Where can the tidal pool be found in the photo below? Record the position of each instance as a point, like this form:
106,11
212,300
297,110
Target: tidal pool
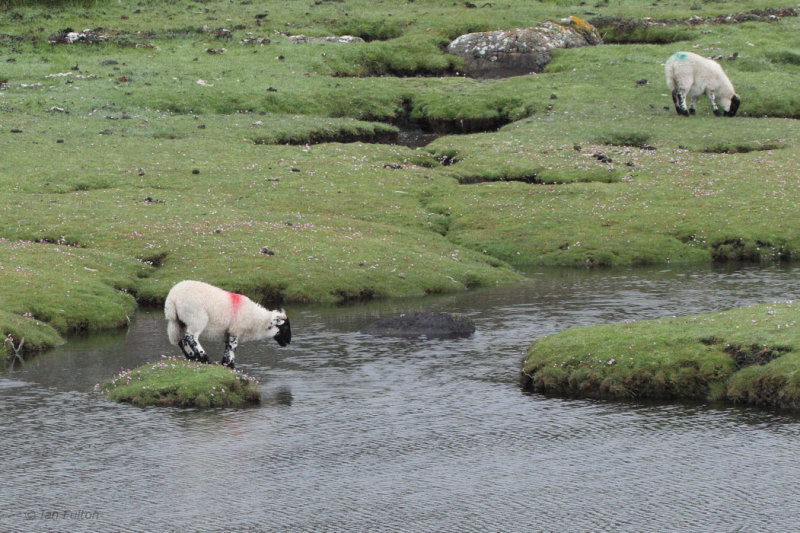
359,433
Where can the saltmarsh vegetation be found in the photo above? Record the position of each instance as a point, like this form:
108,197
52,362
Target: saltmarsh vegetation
748,355
180,383
194,139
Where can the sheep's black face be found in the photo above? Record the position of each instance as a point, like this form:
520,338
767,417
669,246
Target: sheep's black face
734,106
284,335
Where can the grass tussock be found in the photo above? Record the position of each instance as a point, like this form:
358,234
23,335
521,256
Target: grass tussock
722,147
298,130
747,355
373,29
637,139
174,382
619,30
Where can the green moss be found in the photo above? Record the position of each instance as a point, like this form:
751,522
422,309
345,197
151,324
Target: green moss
181,383
746,355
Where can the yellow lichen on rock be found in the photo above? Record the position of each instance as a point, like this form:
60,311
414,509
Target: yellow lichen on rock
588,31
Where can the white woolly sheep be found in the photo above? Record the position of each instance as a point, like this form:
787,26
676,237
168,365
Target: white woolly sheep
690,75
193,308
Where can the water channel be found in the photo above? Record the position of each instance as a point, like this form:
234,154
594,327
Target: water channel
358,433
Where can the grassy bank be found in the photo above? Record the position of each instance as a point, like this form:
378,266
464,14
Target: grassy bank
748,355
196,140
174,382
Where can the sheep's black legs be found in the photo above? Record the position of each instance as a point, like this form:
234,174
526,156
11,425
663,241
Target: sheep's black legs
713,99
191,349
231,342
680,103
186,352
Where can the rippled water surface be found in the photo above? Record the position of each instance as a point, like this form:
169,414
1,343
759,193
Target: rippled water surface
359,433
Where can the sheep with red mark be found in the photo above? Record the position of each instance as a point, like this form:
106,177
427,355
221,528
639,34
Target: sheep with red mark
689,75
194,308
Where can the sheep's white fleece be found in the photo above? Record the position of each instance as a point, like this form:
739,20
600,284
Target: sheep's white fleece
195,307
690,75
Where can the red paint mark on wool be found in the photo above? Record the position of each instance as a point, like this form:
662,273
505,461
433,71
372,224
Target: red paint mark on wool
236,301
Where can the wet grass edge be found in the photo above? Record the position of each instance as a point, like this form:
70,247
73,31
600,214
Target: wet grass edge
745,356
174,382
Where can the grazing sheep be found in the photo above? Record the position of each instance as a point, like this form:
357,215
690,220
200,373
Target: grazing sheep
690,75
194,308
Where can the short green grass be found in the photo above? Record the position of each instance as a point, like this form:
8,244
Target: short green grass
173,382
182,147
748,355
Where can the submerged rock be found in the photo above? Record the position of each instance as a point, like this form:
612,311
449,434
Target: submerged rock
417,324
496,54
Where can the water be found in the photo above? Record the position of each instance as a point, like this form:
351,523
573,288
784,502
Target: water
359,433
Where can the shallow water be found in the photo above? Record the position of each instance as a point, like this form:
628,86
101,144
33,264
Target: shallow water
362,433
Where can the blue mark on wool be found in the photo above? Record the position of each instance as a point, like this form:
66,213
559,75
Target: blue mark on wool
680,55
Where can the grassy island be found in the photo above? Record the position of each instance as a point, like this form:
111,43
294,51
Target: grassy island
178,382
747,355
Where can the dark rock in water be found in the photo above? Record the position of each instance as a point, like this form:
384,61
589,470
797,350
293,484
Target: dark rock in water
417,324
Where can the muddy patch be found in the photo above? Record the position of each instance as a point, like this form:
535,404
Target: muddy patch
533,178
419,131
412,137
621,30
632,139
363,295
319,137
755,354
740,148
543,177
742,250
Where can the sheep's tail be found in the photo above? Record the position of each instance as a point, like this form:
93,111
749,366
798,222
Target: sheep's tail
175,328
669,70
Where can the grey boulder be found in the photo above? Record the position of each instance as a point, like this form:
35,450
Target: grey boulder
503,53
